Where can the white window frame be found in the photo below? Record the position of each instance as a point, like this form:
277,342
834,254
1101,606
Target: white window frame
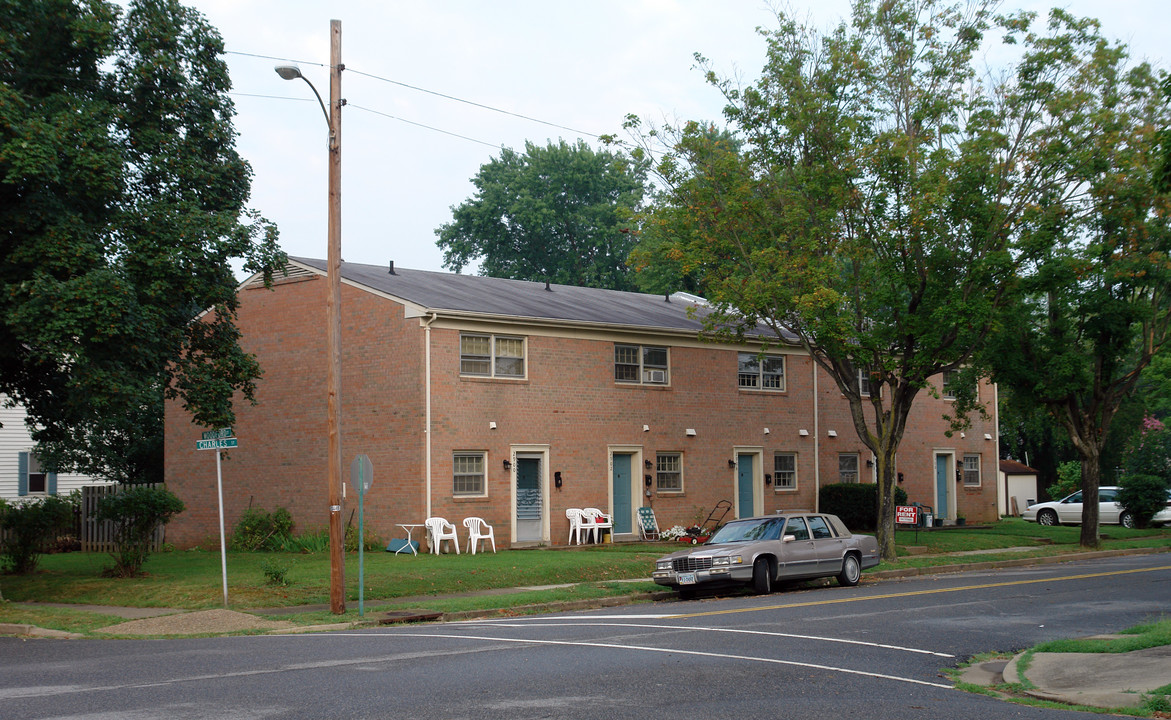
493,358
843,472
777,485
465,473
972,470
28,467
648,373
664,470
864,384
751,374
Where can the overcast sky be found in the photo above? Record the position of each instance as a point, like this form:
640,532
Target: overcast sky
582,65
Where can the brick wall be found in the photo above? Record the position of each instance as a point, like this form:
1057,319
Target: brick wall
569,405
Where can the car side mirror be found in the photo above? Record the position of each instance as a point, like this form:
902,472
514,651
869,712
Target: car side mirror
789,538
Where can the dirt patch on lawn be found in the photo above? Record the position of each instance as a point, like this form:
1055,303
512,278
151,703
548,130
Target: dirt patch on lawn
201,622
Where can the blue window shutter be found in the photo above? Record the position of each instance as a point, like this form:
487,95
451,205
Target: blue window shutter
51,483
22,474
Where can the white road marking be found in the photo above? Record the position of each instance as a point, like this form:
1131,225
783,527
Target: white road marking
644,648
727,630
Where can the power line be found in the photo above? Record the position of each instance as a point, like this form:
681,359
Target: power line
473,104
428,127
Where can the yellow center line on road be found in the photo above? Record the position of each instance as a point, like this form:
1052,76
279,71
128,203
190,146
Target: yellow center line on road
913,593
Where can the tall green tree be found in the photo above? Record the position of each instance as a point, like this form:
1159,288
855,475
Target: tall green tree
872,210
560,213
1095,310
122,205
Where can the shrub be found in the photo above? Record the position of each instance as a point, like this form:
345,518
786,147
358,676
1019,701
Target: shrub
136,513
855,503
1069,480
1142,496
260,530
275,572
30,528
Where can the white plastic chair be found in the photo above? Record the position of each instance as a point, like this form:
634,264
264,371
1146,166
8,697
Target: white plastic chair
596,521
478,532
576,525
438,530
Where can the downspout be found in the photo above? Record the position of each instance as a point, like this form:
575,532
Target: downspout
427,419
816,443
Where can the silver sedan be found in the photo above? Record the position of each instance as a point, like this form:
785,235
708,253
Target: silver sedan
760,551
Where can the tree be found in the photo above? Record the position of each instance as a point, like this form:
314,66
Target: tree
122,200
870,210
136,513
1094,311
559,213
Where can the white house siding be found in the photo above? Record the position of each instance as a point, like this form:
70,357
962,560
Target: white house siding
14,440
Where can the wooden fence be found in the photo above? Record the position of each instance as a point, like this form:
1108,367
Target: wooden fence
99,536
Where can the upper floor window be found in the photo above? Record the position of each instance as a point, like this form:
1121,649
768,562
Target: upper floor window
785,471
669,472
848,467
755,372
864,386
491,355
949,384
971,470
641,364
468,473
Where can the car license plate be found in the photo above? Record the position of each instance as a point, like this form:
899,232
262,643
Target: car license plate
686,578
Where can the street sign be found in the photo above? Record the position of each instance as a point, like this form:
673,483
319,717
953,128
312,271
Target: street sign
361,474
217,434
217,444
906,515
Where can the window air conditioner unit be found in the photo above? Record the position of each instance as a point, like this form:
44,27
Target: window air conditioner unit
656,376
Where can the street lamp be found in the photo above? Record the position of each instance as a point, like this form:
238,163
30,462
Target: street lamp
333,117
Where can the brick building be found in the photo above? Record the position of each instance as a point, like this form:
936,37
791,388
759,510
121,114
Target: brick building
514,400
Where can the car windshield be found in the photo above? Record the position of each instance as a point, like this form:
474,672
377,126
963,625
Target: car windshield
752,530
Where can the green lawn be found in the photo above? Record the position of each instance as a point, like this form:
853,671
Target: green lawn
191,579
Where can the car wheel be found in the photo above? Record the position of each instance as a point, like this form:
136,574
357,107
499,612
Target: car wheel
762,577
1047,517
1126,520
851,571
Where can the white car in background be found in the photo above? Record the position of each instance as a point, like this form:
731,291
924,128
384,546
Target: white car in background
1068,510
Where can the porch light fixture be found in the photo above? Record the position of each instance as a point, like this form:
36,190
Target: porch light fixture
507,464
648,480
869,463
731,463
648,464
768,479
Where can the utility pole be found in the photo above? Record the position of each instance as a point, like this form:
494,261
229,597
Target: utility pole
337,584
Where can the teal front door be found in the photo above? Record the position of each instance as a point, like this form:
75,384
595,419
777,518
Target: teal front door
529,505
623,512
942,478
744,487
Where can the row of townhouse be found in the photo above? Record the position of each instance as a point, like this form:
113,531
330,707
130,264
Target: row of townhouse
514,401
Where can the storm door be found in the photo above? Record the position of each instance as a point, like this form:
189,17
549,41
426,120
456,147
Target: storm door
529,503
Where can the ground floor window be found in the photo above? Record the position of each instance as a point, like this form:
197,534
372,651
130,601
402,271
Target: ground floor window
468,475
848,467
971,470
669,472
785,471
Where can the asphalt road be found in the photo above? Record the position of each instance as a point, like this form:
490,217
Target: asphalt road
875,651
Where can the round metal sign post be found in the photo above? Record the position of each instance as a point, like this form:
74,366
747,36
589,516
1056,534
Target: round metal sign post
361,478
